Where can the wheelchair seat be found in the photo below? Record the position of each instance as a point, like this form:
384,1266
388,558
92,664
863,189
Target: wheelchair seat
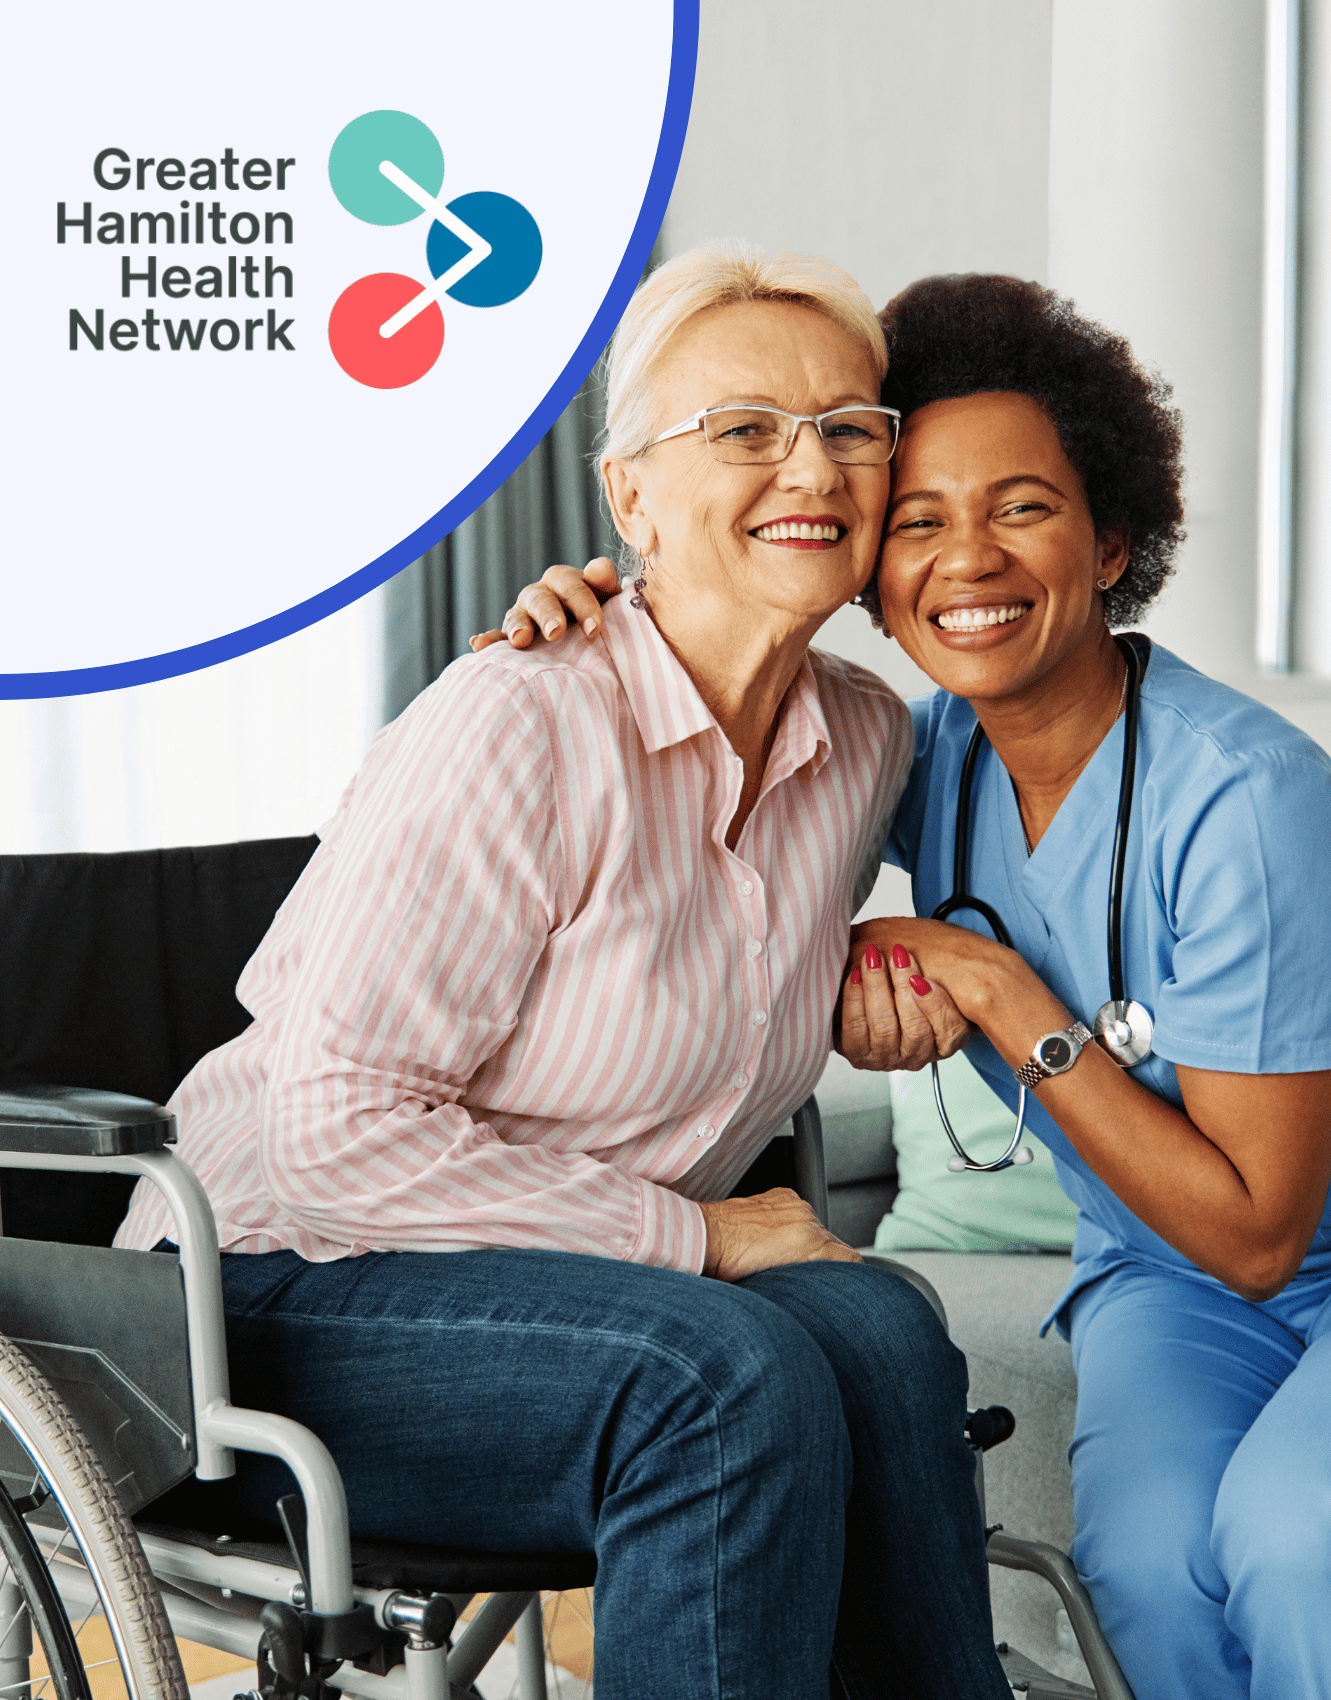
415,1566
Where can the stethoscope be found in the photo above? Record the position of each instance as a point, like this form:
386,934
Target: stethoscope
1122,1026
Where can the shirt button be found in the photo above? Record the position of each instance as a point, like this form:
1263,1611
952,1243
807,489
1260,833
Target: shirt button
759,1017
740,1080
706,1130
746,886
755,949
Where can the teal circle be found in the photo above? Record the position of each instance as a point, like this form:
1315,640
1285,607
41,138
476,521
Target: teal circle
353,166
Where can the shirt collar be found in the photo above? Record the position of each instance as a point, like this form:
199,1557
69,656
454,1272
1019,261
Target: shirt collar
667,708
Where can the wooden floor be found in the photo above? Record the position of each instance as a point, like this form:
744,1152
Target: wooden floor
568,1630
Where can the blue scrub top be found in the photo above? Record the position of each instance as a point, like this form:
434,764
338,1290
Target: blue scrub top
1226,905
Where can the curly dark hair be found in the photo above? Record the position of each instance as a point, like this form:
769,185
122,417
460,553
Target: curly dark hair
960,335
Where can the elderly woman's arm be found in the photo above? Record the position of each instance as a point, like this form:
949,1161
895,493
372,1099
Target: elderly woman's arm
445,877
442,879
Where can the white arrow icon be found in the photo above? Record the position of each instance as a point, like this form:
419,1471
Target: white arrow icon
478,248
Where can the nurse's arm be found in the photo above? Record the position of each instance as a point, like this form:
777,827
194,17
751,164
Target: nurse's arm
1237,1180
545,607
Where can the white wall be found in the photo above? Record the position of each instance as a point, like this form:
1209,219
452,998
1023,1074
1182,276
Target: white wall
1312,490
895,137
258,747
1155,225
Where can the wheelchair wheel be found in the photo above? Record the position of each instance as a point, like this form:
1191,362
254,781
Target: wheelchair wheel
569,1644
69,1526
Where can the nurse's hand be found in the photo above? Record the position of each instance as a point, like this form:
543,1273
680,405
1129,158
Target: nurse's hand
544,607
891,1016
745,1235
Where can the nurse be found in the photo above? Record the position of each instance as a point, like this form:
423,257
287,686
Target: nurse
1035,506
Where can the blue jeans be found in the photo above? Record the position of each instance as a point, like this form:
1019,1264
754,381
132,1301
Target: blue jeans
772,1474
1202,1484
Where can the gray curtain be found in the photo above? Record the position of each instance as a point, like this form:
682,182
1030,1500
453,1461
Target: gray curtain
549,510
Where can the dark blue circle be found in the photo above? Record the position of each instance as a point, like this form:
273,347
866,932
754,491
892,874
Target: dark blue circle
511,232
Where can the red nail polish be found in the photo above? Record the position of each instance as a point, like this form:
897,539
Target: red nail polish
872,958
854,976
920,986
900,957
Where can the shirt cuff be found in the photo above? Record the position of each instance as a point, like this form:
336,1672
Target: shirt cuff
673,1231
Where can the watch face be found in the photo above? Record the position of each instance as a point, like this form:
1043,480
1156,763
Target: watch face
1055,1052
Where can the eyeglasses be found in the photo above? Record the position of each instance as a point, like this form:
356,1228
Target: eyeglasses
759,436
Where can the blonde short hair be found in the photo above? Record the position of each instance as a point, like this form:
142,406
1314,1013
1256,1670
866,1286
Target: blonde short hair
718,274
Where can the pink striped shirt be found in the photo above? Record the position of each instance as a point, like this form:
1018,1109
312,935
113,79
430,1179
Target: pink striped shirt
523,994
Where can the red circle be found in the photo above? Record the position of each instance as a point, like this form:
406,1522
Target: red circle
384,362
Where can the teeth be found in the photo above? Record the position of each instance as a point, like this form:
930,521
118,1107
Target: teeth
971,619
801,530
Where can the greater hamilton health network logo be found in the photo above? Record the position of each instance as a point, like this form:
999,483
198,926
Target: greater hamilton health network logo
483,249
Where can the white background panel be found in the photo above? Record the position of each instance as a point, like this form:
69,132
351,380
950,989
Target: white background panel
160,500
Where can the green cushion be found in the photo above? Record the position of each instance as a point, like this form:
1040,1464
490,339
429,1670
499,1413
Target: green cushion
937,1210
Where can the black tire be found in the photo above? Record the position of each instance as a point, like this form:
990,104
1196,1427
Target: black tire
71,1525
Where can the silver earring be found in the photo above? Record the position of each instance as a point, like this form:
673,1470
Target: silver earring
1102,584
640,583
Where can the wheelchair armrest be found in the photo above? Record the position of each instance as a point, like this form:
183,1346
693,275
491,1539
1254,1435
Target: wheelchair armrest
79,1121
810,1167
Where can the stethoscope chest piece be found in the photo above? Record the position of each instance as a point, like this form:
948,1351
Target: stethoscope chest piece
1123,1027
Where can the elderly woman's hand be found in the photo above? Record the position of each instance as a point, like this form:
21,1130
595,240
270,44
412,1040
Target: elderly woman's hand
891,1016
544,607
745,1235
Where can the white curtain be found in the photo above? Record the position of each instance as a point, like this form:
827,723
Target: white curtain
257,747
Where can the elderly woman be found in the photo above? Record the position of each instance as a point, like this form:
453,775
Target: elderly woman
1035,506
568,952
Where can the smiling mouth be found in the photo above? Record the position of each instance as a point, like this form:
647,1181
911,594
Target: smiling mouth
978,619
800,531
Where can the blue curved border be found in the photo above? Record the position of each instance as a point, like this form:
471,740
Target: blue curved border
83,681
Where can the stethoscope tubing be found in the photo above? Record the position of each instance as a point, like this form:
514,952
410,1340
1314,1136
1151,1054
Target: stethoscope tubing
962,899
1123,822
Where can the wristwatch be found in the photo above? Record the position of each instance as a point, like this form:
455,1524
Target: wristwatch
1054,1053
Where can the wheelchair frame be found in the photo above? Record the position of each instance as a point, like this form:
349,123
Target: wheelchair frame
218,1599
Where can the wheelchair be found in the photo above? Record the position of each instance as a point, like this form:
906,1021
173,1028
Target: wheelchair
116,975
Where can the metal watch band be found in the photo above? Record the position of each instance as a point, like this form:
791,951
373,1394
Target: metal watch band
1031,1073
